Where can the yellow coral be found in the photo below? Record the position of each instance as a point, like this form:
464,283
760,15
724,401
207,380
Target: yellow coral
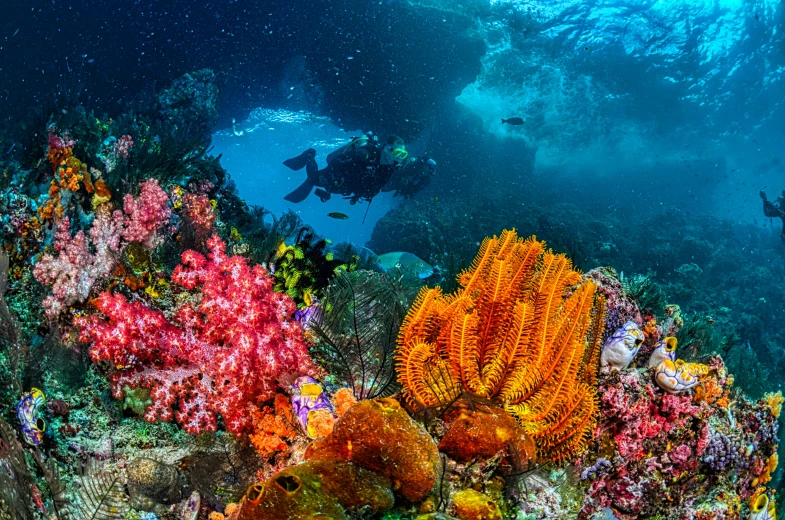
523,330
771,466
472,505
775,400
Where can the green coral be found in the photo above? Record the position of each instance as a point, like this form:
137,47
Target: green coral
137,400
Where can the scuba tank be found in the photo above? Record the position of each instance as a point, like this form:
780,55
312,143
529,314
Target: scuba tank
367,141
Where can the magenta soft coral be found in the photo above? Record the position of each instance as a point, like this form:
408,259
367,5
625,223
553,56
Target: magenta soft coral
223,356
146,214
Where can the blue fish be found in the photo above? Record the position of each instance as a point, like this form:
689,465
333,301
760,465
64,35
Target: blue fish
411,266
27,411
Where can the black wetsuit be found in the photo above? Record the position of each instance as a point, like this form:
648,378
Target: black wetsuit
775,209
353,171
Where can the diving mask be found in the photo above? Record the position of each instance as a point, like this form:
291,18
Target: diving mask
399,154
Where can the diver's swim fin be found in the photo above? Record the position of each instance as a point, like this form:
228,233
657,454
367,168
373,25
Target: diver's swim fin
300,162
302,192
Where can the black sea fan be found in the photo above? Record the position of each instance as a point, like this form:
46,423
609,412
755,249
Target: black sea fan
16,484
264,236
99,495
358,328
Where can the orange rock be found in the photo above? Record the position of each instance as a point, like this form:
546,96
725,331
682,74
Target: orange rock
380,436
472,505
316,488
482,432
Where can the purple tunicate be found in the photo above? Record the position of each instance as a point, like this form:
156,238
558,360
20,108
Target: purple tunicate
308,397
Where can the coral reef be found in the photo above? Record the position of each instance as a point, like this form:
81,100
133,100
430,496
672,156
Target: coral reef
222,355
656,245
511,332
173,330
673,456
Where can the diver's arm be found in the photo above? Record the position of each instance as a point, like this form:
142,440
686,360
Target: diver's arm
770,210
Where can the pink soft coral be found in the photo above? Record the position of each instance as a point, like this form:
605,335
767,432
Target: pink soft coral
75,269
146,214
222,356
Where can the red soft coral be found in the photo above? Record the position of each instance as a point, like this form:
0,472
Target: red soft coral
222,356
200,215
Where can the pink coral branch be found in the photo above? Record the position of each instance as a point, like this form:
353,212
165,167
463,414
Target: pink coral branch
75,269
146,214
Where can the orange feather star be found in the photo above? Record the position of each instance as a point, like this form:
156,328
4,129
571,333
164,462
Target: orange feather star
523,330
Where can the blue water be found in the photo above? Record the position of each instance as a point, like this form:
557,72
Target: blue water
254,150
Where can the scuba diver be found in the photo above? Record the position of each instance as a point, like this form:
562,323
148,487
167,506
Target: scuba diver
775,209
413,175
357,171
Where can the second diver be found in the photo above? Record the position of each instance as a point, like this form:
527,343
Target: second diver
357,171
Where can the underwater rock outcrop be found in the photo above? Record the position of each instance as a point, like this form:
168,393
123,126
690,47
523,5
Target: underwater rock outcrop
524,330
151,482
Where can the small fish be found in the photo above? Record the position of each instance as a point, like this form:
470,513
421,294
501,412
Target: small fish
27,412
338,216
515,121
128,361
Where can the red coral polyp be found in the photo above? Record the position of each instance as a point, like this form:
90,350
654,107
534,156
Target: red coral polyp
223,356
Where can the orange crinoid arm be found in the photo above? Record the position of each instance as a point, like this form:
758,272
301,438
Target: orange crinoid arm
523,330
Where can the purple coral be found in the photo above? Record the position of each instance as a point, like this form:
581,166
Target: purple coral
598,469
723,453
